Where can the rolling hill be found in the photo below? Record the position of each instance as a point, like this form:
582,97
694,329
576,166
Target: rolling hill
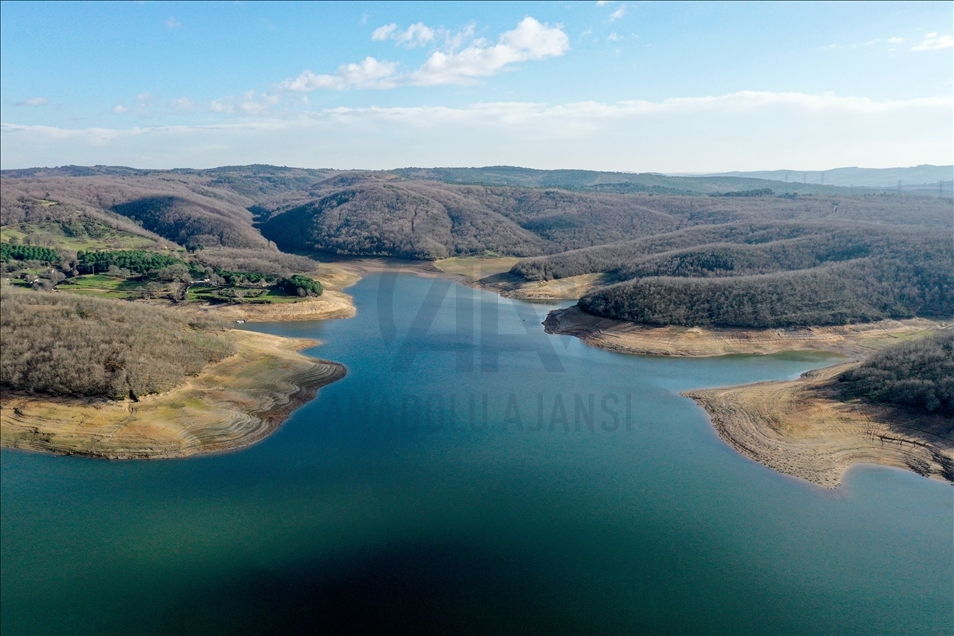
720,250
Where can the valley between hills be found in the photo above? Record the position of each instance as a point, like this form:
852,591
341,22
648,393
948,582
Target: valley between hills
688,266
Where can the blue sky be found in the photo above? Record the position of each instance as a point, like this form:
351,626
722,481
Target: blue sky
602,85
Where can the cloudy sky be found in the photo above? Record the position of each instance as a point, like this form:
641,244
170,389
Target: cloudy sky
601,85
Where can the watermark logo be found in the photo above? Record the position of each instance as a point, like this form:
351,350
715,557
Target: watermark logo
480,412
473,349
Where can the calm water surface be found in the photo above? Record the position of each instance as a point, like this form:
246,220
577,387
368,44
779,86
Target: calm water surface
567,490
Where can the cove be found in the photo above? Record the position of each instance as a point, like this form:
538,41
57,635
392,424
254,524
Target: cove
472,474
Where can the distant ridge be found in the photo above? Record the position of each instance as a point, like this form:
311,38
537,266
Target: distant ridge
617,182
917,176
923,179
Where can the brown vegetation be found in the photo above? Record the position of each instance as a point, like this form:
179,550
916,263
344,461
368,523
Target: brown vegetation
229,405
60,344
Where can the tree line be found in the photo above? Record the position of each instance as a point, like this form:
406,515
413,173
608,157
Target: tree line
10,252
139,261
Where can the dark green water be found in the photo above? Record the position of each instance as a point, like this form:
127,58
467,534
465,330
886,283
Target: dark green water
390,503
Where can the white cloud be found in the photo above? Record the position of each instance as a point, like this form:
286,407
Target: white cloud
933,42
251,104
119,109
616,15
416,35
34,101
383,32
172,23
183,104
530,40
145,98
369,73
455,40
740,131
248,103
613,37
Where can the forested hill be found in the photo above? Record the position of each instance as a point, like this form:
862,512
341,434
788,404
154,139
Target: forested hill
698,242
767,275
434,220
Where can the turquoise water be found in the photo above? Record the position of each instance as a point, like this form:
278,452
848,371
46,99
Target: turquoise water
427,491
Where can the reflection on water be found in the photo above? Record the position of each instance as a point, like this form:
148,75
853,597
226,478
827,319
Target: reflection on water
457,480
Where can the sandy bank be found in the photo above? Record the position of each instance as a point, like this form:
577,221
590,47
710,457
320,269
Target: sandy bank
854,341
232,404
331,304
799,428
493,274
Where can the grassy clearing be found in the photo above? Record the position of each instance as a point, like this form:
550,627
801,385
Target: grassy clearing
53,233
222,295
102,286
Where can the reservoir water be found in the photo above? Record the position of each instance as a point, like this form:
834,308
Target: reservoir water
471,474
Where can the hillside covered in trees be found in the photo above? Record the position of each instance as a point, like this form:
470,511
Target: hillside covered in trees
726,250
62,344
829,275
918,374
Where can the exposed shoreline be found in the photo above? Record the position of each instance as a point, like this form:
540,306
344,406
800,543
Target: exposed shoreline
800,428
230,405
856,341
331,304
